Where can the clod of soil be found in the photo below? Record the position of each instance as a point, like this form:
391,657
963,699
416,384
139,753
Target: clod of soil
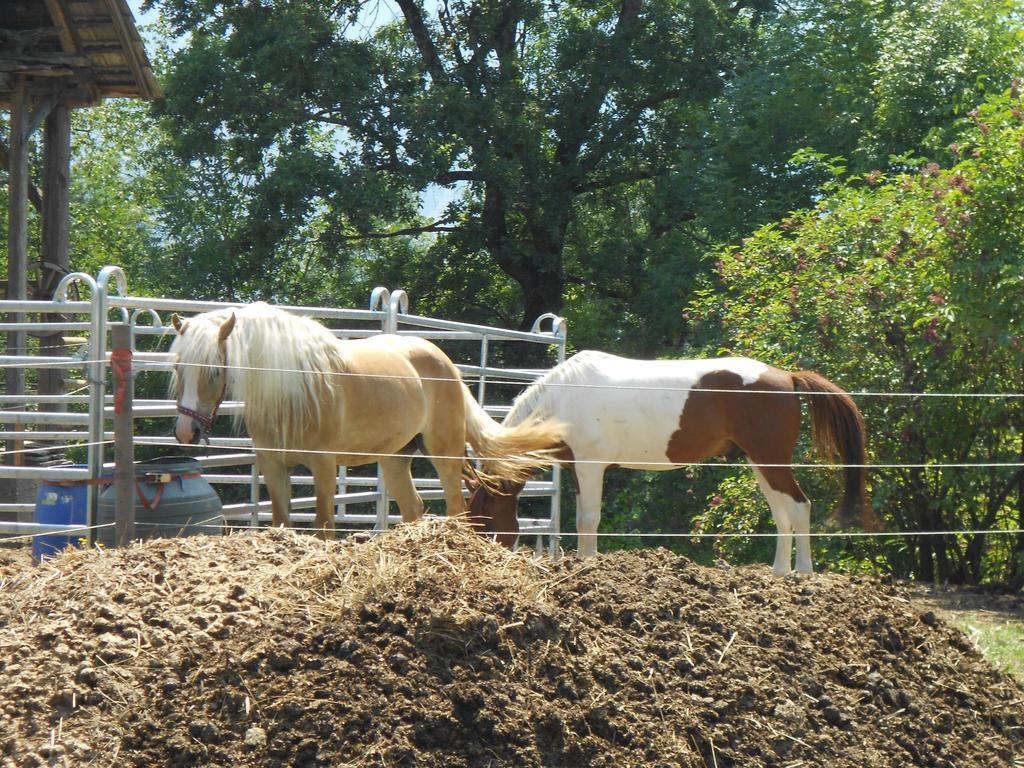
431,646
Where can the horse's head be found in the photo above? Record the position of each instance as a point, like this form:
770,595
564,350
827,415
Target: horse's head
493,510
200,376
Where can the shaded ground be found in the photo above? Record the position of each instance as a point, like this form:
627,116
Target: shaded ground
994,620
433,647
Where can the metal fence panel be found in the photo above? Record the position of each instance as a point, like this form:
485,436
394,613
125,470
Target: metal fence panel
110,304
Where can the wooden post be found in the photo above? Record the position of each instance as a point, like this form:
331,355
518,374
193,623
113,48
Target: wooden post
56,169
124,443
17,258
17,226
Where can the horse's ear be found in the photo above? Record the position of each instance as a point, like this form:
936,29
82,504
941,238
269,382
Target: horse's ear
227,328
178,323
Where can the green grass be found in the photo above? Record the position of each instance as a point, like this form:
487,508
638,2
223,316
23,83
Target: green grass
1000,640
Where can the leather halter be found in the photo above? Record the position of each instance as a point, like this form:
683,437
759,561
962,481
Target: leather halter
206,420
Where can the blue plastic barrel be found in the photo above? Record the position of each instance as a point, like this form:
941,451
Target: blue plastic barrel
58,504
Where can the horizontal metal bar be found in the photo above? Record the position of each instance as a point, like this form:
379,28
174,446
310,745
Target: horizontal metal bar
368,482
35,327
40,361
43,417
177,305
483,330
50,399
239,442
309,517
227,460
45,473
19,508
533,530
444,335
517,374
232,511
46,307
169,408
45,436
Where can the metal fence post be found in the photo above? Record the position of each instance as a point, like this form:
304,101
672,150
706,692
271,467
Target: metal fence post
558,330
380,299
97,384
123,345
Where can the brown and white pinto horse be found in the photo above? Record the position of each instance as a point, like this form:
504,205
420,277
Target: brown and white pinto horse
662,414
314,400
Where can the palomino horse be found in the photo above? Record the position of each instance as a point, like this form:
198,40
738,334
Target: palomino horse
314,400
661,414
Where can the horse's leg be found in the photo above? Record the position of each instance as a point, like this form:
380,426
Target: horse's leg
325,481
450,473
397,472
275,473
445,445
792,513
590,480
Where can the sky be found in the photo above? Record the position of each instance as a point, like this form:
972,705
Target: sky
140,17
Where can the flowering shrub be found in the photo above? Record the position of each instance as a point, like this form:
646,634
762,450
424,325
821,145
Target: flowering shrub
910,284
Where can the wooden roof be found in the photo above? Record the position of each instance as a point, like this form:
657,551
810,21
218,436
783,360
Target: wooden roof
86,49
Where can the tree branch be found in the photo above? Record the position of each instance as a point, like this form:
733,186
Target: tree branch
323,116
421,35
451,177
432,227
627,118
640,174
589,103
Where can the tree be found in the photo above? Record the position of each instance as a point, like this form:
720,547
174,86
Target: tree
532,105
864,82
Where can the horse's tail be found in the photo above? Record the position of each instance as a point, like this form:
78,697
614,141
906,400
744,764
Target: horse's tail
837,429
511,453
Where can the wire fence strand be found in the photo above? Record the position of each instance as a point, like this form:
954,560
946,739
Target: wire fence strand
475,378
230,528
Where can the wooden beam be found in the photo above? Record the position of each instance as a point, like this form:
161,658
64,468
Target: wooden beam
71,42
93,20
59,18
35,70
134,52
20,39
52,58
124,34
42,111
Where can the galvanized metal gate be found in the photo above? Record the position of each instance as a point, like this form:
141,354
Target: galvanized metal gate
82,421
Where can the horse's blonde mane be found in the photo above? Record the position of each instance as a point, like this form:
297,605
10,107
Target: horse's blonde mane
279,364
535,401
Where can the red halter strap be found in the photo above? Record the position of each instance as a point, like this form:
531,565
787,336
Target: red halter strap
206,421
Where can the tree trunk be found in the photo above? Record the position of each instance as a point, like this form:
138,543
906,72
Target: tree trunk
536,266
543,293
975,550
1015,577
925,560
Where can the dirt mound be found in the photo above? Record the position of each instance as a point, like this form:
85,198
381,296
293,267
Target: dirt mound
433,647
